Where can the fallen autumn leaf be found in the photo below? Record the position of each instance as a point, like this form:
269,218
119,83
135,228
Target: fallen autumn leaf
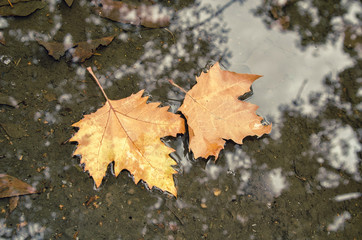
11,187
80,51
127,132
214,113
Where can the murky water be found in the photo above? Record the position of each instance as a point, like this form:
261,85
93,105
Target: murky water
303,181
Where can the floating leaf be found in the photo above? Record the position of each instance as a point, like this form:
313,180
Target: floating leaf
214,113
128,132
55,49
84,50
80,51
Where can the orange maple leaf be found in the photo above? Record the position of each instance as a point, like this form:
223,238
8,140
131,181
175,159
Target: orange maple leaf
214,113
128,132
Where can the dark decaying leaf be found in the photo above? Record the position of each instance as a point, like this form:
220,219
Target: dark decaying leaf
80,51
55,49
150,16
14,130
69,2
20,8
11,187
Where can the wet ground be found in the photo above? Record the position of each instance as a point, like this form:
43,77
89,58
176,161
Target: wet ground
303,181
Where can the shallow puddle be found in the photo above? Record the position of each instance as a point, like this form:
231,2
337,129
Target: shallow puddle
302,181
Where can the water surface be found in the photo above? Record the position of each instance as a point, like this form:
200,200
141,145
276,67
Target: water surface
302,181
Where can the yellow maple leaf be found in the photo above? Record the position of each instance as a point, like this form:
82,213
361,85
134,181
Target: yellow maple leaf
214,113
128,132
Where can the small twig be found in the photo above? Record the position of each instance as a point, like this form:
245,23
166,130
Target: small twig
11,5
178,218
17,63
299,94
173,36
303,179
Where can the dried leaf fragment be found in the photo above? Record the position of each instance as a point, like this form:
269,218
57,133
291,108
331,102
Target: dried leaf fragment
2,38
84,50
214,113
21,8
128,132
55,49
80,51
151,16
11,187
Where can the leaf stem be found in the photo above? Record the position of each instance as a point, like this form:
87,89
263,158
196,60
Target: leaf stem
174,84
95,78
